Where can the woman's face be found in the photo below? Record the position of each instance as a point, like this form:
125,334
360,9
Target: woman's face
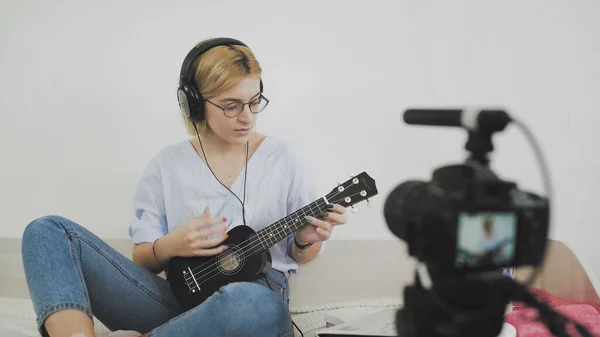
233,130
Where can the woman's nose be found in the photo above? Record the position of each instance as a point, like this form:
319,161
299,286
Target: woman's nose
246,114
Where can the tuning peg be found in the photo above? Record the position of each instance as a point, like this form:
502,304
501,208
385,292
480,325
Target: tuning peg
354,209
369,203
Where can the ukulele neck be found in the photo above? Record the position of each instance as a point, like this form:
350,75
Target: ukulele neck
271,235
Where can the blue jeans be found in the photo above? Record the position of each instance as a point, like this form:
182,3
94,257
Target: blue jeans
68,267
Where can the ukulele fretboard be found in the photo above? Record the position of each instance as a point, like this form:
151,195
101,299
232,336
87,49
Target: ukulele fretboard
281,229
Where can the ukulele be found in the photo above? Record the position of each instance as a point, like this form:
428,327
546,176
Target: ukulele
194,279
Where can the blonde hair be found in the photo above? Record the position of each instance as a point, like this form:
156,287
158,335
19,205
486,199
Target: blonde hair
218,70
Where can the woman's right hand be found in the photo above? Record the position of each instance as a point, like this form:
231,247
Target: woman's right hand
190,238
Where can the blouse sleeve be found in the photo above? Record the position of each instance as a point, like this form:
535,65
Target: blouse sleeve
302,189
150,222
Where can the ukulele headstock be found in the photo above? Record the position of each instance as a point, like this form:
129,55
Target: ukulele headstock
354,190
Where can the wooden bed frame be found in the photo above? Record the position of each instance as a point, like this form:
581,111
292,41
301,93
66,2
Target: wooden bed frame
565,274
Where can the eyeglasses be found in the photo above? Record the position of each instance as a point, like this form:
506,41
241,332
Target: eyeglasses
234,109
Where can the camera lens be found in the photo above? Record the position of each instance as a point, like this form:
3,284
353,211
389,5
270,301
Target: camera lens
400,206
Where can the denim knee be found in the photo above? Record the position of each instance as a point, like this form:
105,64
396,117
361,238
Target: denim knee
257,308
38,228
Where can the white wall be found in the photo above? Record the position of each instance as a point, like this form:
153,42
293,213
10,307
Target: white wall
87,95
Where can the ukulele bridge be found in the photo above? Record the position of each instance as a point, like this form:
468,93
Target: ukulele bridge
188,276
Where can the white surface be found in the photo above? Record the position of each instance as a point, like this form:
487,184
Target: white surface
508,330
88,95
376,321
339,316
380,323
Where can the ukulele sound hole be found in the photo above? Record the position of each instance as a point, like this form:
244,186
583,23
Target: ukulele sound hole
230,261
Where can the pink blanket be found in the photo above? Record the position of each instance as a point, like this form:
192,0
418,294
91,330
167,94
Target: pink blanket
523,317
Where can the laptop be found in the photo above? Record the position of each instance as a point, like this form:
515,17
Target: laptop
378,324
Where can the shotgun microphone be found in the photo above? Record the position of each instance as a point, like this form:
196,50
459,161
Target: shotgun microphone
482,120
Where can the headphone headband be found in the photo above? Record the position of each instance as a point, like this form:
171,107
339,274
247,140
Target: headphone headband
186,68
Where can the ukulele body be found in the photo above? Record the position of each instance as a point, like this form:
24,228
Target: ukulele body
194,279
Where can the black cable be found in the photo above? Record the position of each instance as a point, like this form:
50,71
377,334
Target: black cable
245,175
242,202
555,321
297,328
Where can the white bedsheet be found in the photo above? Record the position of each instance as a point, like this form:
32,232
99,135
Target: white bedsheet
17,317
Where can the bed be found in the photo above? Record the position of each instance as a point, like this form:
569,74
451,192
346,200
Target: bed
352,278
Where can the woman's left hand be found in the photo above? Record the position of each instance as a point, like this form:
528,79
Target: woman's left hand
320,230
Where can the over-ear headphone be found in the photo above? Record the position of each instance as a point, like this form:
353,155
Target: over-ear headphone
190,100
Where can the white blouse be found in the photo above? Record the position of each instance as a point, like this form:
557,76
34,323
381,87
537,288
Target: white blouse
177,185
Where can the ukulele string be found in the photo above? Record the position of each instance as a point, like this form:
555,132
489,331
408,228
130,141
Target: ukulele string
298,211
257,237
197,276
247,243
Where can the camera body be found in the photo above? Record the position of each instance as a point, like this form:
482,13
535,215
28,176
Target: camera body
468,219
464,226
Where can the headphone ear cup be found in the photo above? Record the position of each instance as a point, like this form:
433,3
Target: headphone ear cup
184,104
191,103
261,86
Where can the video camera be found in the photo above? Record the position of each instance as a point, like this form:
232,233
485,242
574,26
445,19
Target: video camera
463,226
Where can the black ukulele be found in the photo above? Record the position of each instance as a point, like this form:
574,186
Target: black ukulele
194,279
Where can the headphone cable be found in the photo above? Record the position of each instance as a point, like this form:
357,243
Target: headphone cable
245,175
243,202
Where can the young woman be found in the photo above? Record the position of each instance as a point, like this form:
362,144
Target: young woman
191,193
